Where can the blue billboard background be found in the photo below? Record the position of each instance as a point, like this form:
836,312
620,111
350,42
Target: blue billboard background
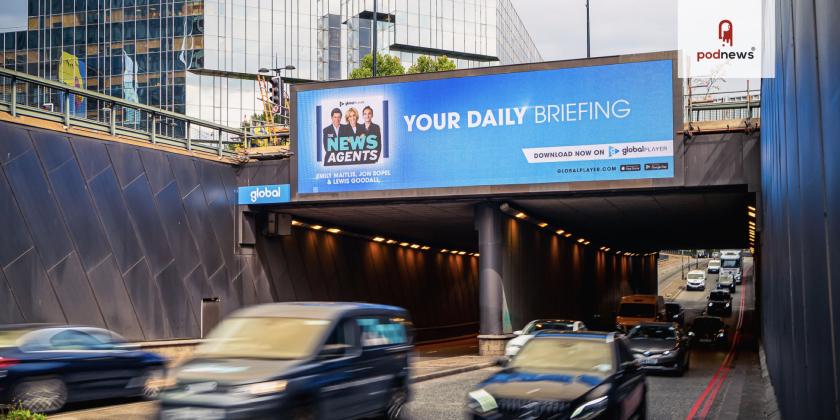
630,135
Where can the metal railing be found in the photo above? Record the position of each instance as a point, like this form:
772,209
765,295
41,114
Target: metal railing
22,94
718,106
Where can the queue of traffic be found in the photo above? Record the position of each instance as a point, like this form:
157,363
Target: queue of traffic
351,360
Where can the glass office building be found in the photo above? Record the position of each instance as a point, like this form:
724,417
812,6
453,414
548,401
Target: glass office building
199,57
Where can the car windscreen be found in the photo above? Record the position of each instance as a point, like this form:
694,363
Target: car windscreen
719,296
637,310
9,338
650,331
707,324
549,325
264,338
730,263
695,276
714,263
565,354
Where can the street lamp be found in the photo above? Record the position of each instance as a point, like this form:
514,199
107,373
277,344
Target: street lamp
587,30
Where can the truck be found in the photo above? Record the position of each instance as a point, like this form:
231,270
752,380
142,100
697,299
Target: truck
730,264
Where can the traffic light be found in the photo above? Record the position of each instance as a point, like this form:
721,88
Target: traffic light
276,92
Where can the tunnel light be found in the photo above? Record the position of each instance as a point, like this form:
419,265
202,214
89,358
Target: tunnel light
581,240
425,248
751,214
567,235
462,252
559,231
443,251
317,227
476,254
378,239
404,244
617,252
751,223
542,224
606,250
521,215
296,223
750,208
333,230
453,251
390,242
415,246
586,243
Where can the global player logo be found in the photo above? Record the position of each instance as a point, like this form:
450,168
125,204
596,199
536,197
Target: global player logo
725,32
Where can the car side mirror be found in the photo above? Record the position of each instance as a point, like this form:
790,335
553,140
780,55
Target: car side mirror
332,351
517,332
630,366
502,361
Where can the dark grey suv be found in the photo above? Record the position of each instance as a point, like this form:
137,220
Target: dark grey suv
297,361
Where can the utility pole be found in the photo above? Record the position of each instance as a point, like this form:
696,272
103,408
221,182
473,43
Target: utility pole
588,54
374,30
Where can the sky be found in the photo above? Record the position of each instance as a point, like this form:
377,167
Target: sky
558,28
12,15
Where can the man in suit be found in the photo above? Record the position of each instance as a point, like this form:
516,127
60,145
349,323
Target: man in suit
369,128
333,130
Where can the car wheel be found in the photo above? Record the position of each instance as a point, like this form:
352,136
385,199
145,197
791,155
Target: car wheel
41,396
396,404
152,386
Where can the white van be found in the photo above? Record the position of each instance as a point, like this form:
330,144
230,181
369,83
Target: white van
714,266
695,280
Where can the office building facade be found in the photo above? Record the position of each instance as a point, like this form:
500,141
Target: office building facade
199,57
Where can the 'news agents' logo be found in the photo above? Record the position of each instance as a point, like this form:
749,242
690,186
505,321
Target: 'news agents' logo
725,32
614,151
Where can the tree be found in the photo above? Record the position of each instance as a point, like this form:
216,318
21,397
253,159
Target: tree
386,65
426,64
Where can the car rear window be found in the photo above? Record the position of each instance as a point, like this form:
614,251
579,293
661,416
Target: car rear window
718,296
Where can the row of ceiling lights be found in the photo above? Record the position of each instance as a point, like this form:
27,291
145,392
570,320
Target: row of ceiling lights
382,239
562,232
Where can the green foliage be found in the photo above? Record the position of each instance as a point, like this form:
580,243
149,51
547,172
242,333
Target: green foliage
386,65
426,64
21,414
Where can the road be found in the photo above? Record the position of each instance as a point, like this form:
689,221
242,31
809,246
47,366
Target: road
729,390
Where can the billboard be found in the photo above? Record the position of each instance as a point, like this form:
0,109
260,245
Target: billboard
596,123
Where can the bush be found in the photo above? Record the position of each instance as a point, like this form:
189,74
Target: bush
21,414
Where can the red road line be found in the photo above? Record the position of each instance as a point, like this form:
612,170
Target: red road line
720,375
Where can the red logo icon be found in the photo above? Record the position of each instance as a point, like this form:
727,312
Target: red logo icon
725,32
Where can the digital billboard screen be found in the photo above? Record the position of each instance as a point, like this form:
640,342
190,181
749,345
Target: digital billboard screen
595,123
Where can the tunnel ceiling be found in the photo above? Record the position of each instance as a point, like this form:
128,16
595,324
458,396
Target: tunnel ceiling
633,221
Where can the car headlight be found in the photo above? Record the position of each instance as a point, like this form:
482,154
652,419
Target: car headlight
720,335
710,304
727,304
481,401
261,388
591,408
666,352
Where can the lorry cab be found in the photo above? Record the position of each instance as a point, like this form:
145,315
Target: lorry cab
636,309
730,264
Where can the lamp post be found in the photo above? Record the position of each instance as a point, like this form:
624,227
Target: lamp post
588,55
374,30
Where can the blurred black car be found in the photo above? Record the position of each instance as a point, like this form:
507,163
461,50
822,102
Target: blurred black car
674,313
564,375
720,303
710,330
660,347
42,367
299,361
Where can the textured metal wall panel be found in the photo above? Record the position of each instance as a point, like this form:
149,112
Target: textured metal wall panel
53,148
208,246
74,292
146,297
35,198
92,155
115,219
16,239
185,173
72,195
117,307
126,162
180,311
156,167
32,289
141,207
15,142
9,309
198,288
177,227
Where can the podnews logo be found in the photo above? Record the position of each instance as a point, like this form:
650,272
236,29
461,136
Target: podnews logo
725,34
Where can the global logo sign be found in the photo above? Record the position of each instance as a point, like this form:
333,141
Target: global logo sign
264,194
614,151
